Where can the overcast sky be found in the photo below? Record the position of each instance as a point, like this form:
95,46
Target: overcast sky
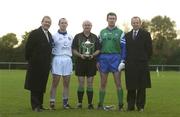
18,16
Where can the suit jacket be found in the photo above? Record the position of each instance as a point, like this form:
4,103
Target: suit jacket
38,55
140,48
139,52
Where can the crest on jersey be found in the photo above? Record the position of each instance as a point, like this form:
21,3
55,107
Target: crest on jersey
69,38
116,34
105,34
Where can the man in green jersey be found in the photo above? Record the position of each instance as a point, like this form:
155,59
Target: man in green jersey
112,58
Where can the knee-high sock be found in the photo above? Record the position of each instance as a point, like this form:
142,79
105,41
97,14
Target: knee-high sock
80,94
89,93
120,96
101,97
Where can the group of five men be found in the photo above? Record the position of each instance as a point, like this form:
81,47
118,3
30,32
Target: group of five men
111,52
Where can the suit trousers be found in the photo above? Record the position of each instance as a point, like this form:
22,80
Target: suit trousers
36,99
138,97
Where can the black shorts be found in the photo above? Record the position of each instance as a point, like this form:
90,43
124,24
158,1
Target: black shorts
85,68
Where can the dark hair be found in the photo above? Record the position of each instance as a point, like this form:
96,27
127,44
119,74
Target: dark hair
61,19
45,17
112,14
136,17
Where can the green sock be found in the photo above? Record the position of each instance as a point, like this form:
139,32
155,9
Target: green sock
89,89
101,97
120,96
80,93
81,89
89,93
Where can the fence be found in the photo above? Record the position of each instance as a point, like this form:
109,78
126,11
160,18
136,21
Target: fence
22,65
164,67
13,65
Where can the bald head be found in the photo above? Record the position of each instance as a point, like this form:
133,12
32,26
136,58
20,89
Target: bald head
86,22
87,25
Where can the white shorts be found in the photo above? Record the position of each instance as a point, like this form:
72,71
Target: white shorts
62,65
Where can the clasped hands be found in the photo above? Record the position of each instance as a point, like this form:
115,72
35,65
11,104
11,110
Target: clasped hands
86,56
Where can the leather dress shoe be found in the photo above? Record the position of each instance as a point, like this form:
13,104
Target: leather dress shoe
37,109
141,110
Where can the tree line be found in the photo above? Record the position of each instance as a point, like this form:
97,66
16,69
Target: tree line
166,46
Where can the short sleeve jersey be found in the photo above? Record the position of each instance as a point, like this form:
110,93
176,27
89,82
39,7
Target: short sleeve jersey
62,44
79,41
110,40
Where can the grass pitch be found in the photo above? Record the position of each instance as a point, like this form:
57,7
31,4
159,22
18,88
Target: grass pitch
163,99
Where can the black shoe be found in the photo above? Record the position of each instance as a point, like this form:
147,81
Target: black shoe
90,106
79,105
67,106
52,105
120,107
141,110
130,109
100,107
37,109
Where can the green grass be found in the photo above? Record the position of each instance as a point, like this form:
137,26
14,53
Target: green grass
163,99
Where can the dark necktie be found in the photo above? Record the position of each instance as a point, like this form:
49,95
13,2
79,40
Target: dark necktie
134,35
46,33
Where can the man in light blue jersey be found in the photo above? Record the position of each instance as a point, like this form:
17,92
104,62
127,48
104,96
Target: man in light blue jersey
112,58
61,63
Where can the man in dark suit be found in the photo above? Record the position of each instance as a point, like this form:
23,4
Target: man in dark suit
38,54
139,51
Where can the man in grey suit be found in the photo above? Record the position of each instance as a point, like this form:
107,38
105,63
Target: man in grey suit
38,55
139,51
